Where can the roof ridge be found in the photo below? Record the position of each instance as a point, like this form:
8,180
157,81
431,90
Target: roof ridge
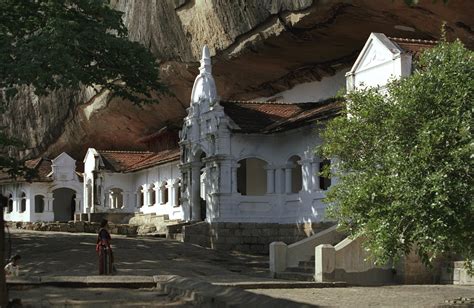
125,152
275,103
409,40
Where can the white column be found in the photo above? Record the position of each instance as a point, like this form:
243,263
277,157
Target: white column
78,203
195,190
306,171
270,180
48,203
315,174
170,192
234,177
279,180
288,179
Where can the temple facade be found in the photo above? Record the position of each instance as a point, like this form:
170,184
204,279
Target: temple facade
53,194
231,161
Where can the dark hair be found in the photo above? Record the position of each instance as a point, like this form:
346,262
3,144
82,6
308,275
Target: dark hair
15,258
103,223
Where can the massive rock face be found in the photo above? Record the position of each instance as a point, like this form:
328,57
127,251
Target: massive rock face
259,48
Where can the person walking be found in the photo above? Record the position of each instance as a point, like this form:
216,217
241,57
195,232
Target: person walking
104,250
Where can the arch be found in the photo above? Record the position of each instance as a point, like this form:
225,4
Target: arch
164,193
10,203
252,177
116,198
23,202
39,203
64,203
177,194
296,174
140,197
151,195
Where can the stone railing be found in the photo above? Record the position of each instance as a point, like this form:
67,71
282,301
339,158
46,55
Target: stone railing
349,262
283,256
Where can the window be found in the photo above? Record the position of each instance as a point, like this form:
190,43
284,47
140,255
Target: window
296,174
23,203
151,195
39,204
164,193
177,194
116,198
140,197
324,182
252,177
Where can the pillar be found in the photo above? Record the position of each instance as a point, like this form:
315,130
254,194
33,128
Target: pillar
315,174
306,169
279,181
324,263
170,185
278,252
195,190
288,180
234,177
270,180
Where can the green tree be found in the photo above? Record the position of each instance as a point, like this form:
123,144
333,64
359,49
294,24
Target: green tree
50,45
56,44
405,160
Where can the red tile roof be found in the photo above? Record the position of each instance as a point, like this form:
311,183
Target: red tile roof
42,168
266,117
413,46
129,161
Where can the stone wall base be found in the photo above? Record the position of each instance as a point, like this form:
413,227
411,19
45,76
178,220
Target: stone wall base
116,218
248,237
73,227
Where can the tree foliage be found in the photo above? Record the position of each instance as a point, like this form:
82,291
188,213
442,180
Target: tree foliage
54,44
405,160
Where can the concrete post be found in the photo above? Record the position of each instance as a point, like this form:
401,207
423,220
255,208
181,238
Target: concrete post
278,257
270,180
195,192
288,187
324,263
315,174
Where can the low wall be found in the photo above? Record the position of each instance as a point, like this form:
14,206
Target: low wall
73,227
456,273
348,261
248,237
116,218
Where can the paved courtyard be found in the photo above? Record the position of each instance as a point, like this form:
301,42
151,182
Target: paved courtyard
73,254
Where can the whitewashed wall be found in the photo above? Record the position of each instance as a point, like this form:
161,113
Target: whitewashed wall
131,184
312,91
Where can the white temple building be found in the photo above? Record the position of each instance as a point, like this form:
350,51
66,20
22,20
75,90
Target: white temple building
250,163
53,194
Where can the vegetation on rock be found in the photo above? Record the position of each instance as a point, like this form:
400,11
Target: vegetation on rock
404,160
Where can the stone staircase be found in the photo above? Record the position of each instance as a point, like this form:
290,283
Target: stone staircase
153,225
303,272
175,231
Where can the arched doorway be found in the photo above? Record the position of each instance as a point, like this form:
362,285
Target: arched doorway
64,204
199,186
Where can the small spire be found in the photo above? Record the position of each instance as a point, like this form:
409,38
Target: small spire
206,66
205,53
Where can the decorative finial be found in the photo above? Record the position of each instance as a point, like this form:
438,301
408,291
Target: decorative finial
206,66
204,86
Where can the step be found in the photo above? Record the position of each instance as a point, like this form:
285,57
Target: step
301,269
287,275
306,264
175,236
